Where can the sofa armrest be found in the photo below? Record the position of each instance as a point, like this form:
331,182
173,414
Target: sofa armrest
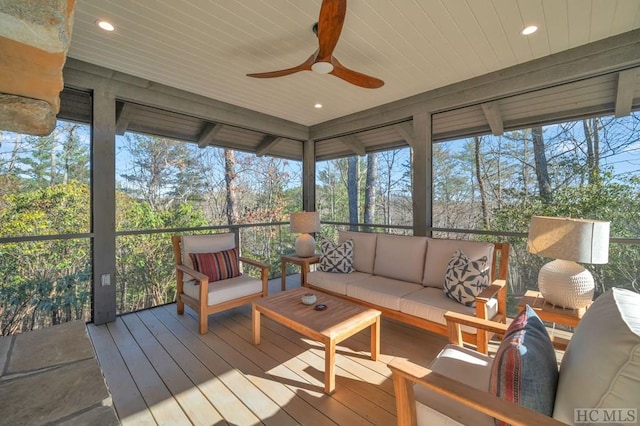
455,320
406,373
497,290
492,290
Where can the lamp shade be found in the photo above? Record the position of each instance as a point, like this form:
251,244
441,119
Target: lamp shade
579,240
305,222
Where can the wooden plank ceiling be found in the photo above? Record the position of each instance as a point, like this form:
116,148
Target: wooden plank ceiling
206,48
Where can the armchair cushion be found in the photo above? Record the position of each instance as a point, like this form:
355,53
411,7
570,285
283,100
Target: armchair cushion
601,366
226,290
461,364
220,265
525,370
336,257
465,278
205,243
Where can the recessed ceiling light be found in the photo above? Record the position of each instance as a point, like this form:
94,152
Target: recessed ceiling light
318,105
105,25
529,30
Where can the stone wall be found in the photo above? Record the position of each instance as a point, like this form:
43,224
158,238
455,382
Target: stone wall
34,39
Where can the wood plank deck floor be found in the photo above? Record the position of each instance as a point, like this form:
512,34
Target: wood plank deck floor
159,370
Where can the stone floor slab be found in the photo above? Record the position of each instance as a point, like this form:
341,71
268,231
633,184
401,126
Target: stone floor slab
49,347
53,394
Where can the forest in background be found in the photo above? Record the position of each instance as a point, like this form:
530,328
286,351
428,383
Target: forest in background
480,183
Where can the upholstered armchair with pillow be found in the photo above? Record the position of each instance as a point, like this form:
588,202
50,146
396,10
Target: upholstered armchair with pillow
599,376
209,275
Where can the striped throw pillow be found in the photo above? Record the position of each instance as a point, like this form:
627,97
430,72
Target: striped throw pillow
218,266
525,370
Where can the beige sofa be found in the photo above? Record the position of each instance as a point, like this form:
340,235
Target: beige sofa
403,276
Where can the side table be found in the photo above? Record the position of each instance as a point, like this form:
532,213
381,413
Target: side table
302,262
550,313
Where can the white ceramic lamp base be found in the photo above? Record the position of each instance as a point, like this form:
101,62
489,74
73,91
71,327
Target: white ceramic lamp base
566,284
305,245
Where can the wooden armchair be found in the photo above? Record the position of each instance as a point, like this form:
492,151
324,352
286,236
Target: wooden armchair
406,374
195,289
599,375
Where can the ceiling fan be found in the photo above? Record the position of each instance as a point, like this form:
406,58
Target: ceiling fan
327,29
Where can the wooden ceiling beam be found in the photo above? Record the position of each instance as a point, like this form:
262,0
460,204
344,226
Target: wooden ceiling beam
265,145
352,142
624,95
123,117
208,133
494,117
406,132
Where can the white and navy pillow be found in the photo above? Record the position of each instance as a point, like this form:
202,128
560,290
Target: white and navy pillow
336,258
465,278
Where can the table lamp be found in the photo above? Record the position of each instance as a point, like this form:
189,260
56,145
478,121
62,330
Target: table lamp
305,223
563,282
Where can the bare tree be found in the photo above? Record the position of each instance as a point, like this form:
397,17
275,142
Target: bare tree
542,174
592,139
481,186
370,188
352,188
230,185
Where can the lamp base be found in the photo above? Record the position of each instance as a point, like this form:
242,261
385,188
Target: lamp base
566,284
305,245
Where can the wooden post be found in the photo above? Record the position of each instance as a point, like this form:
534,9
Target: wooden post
103,182
422,170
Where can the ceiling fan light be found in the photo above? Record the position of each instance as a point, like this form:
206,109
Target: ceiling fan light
322,67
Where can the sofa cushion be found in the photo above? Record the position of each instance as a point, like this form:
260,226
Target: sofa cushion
465,278
364,249
381,291
525,370
220,265
601,366
439,252
336,283
226,290
461,364
336,257
431,304
400,257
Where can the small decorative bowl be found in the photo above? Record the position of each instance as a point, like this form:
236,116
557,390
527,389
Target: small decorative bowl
308,298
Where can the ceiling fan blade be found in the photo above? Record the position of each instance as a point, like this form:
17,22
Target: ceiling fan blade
355,77
332,13
305,66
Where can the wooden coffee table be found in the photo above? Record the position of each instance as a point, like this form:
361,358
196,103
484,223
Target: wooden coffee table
340,320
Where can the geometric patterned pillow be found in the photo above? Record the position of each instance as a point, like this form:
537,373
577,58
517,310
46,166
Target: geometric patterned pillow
336,258
217,266
465,278
525,370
